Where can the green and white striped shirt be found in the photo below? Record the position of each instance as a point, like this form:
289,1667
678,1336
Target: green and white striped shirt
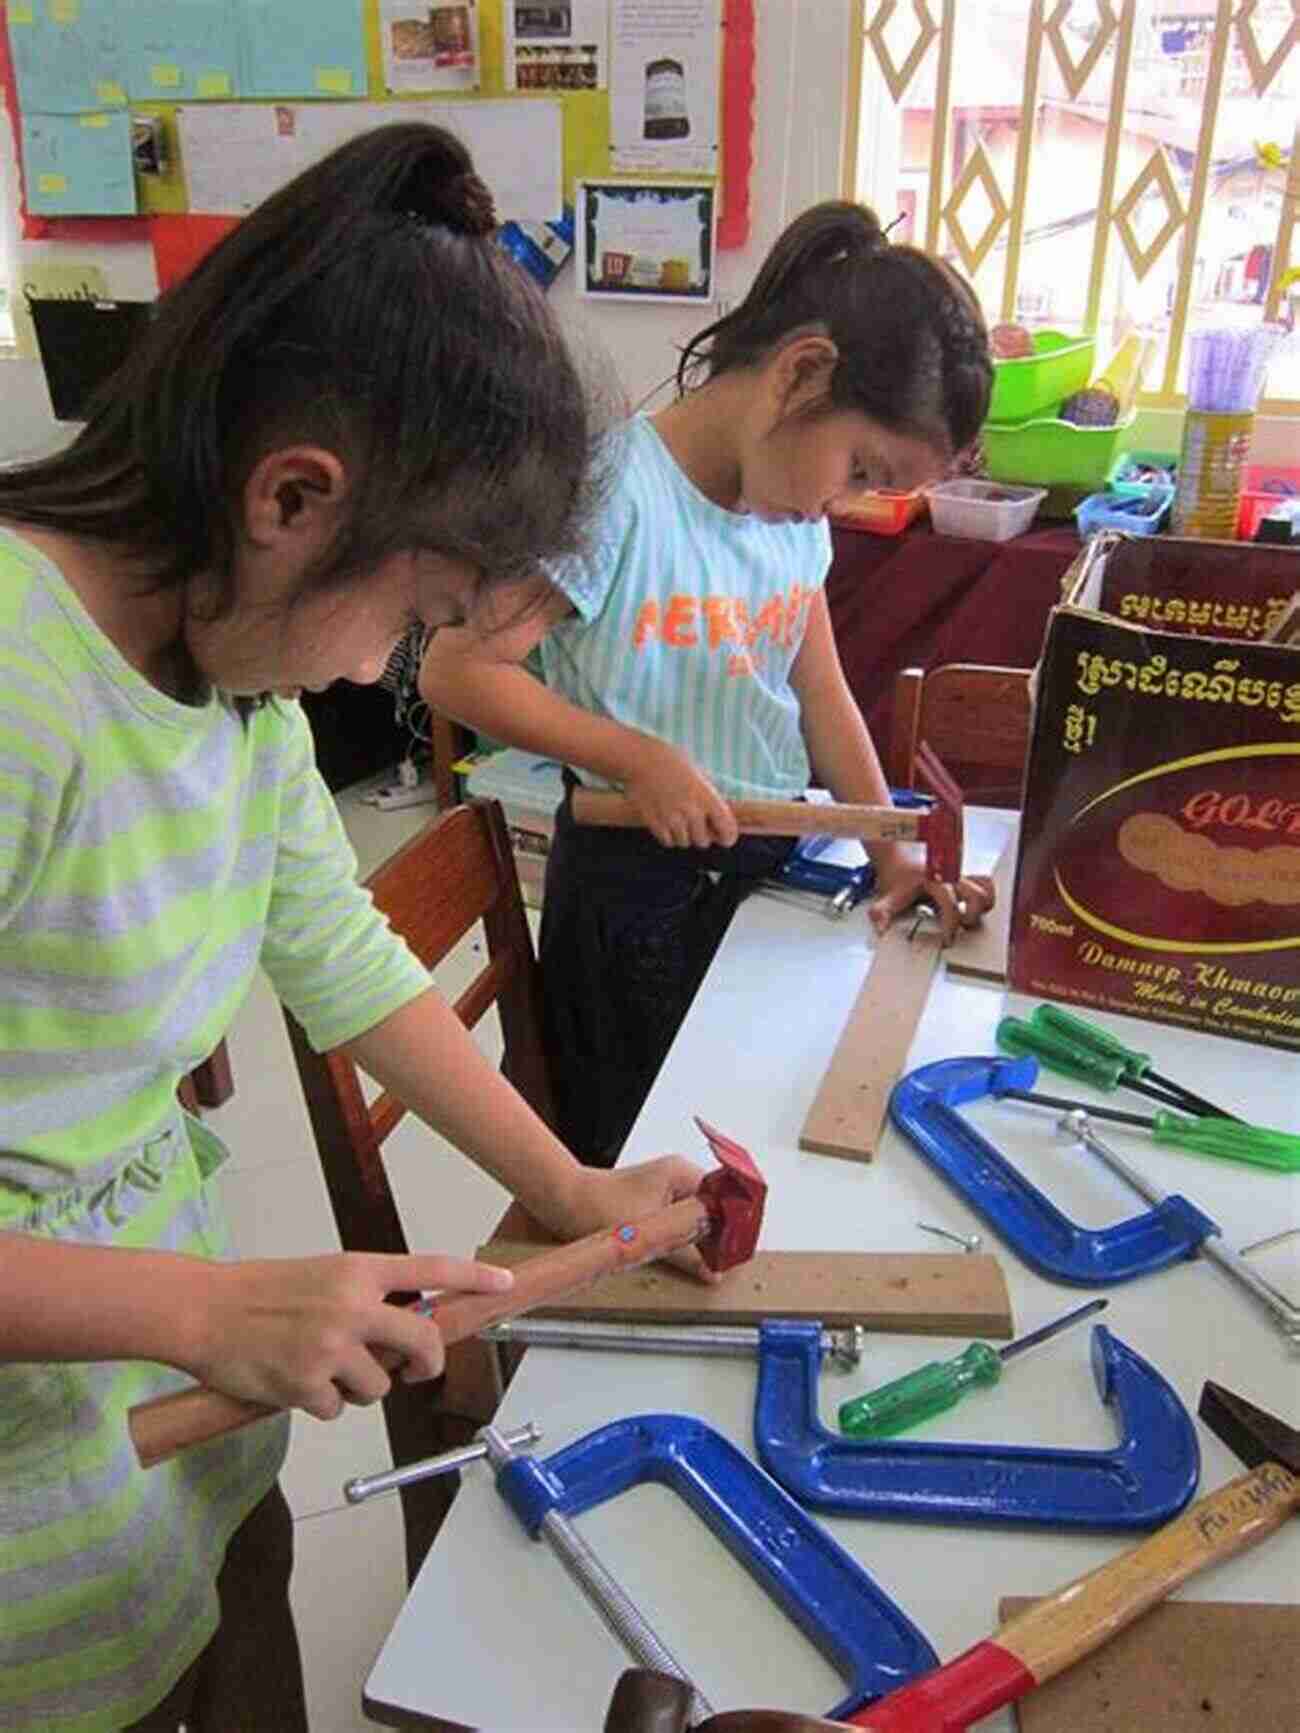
152,855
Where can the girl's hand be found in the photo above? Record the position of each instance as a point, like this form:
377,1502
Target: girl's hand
901,882
677,803
304,1332
604,1197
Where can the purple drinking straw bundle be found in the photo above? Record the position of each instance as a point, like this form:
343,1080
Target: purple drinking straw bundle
1226,368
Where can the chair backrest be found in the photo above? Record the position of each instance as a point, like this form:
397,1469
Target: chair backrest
976,717
458,870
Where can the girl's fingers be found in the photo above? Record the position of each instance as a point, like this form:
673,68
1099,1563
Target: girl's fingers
360,1379
399,1272
411,1337
325,1403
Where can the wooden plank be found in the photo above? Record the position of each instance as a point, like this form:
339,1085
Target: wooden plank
1208,1666
983,952
912,1293
848,1113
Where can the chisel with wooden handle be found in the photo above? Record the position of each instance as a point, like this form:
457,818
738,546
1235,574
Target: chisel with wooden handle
723,1220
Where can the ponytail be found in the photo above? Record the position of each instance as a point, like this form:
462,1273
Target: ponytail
912,347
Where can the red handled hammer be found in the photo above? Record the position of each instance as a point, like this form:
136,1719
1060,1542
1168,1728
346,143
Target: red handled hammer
723,1219
1054,1633
938,826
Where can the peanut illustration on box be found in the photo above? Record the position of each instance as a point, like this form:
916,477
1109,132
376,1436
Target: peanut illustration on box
1185,861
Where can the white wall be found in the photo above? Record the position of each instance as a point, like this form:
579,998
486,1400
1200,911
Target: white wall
802,49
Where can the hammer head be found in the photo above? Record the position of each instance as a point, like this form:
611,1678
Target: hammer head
734,1196
1249,1432
943,825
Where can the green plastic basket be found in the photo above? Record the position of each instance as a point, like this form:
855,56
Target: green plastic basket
1026,387
1052,453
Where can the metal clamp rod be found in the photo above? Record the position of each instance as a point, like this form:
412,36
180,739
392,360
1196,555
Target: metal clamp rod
843,1348
606,1595
1285,1315
365,1486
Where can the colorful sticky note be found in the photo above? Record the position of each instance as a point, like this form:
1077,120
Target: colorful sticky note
111,93
94,120
212,84
74,170
172,46
303,48
65,53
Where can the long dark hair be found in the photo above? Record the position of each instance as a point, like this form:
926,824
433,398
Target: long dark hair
364,307
913,349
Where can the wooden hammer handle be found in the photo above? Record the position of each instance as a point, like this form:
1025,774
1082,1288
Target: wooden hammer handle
168,1424
1055,1633
609,810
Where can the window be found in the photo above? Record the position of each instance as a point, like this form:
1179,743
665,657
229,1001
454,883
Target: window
1093,164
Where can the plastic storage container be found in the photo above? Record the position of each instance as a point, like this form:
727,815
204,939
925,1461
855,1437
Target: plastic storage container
1263,486
1025,387
1051,453
885,511
1136,514
1131,473
982,509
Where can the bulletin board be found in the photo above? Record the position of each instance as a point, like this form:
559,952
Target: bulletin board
237,72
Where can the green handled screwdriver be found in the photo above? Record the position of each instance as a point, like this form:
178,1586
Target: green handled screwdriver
906,1402
1057,1052
1137,1066
1231,1139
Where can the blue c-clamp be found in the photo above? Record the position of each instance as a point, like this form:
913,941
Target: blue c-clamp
924,1108
1146,1479
870,1642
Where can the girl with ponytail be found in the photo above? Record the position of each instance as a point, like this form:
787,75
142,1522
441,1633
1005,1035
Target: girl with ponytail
355,414
690,660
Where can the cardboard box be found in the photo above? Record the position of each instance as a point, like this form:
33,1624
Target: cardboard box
1159,862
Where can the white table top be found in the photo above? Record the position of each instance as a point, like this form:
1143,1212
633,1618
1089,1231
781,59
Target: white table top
494,1634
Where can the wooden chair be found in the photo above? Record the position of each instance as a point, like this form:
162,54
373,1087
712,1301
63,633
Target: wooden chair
976,717
457,871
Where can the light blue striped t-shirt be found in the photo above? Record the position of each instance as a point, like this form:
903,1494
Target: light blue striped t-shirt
687,622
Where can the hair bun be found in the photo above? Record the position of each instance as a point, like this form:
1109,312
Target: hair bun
464,205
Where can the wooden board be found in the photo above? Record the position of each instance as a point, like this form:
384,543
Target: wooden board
913,1293
983,952
1208,1666
848,1113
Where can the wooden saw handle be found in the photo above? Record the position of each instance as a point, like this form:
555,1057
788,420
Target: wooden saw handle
168,1424
612,811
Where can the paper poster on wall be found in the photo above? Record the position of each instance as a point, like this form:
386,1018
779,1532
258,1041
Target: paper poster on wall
663,86
235,153
67,58
43,278
561,45
180,49
645,242
429,46
303,48
78,165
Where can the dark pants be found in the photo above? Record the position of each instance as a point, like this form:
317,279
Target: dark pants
249,1678
629,929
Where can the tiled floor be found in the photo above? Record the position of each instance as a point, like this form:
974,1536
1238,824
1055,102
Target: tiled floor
348,1577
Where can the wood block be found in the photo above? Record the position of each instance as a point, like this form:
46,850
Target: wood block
913,1293
847,1116
1207,1666
983,952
